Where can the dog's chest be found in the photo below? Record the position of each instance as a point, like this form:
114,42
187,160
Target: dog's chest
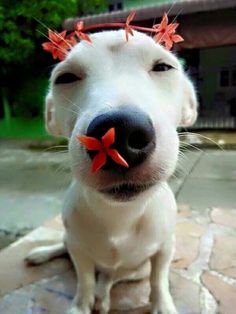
113,248
129,249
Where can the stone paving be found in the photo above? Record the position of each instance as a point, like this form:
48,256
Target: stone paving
206,257
203,271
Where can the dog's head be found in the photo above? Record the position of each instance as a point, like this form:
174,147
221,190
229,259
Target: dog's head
137,87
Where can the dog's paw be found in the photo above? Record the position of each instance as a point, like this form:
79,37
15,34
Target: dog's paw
102,306
78,310
37,256
164,308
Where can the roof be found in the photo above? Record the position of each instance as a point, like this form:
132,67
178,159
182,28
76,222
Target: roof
181,7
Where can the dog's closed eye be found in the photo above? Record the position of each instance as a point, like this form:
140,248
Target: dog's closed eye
67,78
161,67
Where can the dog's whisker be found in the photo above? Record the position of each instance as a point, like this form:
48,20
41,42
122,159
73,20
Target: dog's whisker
171,7
178,14
64,51
182,154
72,103
40,22
181,164
61,152
168,12
61,168
191,145
182,161
164,186
202,136
174,175
69,109
56,147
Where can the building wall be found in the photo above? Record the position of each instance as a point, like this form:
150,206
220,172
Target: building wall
130,4
216,98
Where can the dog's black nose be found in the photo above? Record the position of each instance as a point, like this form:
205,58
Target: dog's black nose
134,135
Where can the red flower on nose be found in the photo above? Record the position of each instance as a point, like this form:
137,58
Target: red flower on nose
103,148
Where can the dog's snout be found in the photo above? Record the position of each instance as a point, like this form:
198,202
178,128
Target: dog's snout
134,135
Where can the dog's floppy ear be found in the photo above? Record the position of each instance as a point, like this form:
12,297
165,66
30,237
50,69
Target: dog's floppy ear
189,106
50,117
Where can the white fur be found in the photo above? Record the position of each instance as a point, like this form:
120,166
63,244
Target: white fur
120,238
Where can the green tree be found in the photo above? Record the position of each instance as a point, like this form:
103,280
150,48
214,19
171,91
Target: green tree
23,27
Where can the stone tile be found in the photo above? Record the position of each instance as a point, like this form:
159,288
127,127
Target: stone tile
184,211
50,287
13,271
185,294
54,295
189,228
223,258
224,293
226,217
130,295
51,295
187,245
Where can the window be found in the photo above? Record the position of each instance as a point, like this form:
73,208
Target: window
227,77
111,7
224,78
120,6
233,77
115,6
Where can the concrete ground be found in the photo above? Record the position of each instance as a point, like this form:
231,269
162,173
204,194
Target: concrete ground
33,184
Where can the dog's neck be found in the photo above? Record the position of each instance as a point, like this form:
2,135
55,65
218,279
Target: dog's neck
117,215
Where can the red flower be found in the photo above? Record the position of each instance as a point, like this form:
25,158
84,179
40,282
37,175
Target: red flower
167,33
128,28
79,31
58,45
103,148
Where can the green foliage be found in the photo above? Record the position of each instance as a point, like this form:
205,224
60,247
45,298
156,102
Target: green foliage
22,22
20,25
30,100
92,6
23,27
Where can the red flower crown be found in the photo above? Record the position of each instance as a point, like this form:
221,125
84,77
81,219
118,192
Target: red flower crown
60,43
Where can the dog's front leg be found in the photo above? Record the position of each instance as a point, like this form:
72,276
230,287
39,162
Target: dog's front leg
161,300
103,288
85,293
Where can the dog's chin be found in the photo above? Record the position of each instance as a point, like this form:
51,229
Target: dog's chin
125,192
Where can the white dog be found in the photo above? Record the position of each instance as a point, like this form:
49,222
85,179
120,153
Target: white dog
118,220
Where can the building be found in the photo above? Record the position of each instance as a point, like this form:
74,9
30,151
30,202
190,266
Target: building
209,49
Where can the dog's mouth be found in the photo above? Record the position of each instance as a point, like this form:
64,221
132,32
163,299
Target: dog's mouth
126,191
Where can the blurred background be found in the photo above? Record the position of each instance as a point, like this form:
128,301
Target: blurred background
34,171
